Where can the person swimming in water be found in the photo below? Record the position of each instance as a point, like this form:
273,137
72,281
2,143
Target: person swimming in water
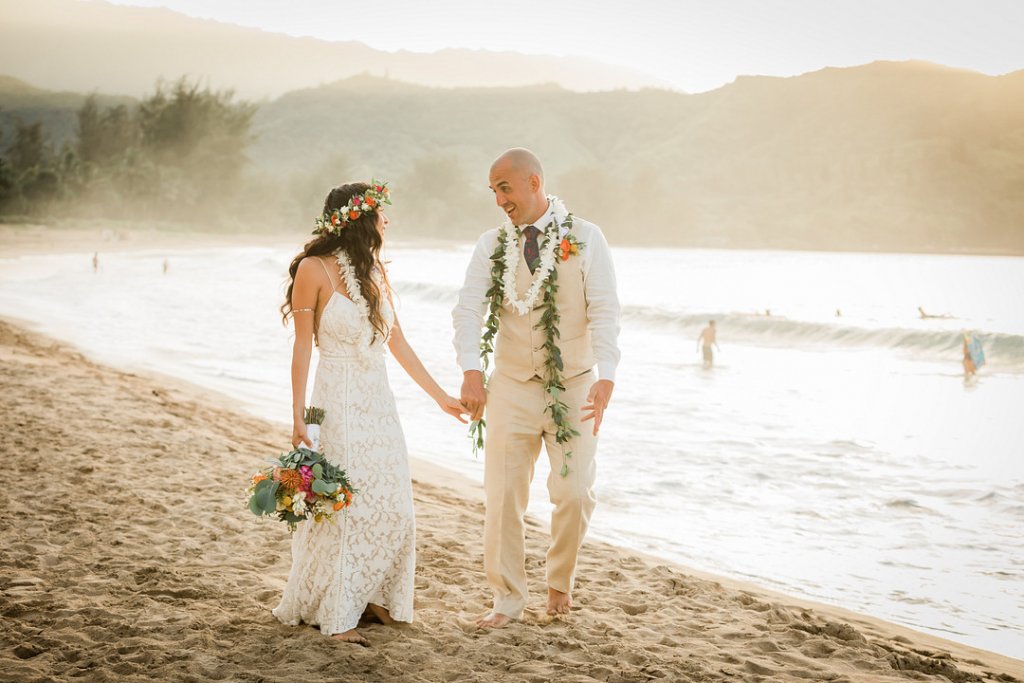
705,341
928,316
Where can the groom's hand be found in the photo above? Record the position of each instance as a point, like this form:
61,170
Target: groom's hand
597,400
473,395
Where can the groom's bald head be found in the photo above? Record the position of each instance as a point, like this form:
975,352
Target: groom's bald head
520,160
517,180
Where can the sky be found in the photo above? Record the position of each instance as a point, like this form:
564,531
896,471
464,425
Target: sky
691,45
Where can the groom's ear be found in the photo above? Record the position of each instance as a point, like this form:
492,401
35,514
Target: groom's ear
535,182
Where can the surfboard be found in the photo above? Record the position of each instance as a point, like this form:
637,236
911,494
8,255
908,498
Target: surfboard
977,353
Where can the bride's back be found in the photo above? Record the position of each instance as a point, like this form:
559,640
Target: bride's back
344,327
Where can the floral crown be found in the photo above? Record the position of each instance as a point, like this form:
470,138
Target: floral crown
336,220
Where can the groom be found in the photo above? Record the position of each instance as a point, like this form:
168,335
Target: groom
540,247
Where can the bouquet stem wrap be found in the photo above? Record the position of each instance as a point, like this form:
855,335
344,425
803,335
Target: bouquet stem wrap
313,432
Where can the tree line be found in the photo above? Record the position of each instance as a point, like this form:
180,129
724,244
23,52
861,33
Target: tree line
180,154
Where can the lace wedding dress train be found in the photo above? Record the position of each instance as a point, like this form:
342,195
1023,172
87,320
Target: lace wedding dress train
368,554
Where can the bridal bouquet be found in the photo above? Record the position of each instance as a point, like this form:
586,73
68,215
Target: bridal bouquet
301,484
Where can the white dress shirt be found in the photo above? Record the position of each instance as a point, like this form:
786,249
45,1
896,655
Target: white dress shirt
599,289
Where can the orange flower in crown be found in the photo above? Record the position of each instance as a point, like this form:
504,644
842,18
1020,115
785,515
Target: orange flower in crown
334,222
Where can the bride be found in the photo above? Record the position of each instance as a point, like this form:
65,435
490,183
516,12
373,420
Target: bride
361,565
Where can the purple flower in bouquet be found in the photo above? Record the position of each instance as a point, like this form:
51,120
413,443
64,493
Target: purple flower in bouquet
307,479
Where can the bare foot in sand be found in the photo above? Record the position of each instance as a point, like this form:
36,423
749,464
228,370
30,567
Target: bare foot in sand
352,636
493,620
558,602
377,614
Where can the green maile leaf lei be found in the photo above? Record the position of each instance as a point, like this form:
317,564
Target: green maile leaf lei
545,287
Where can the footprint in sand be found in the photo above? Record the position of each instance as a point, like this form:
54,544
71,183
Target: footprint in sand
632,608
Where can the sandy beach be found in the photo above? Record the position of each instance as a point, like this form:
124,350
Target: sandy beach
128,556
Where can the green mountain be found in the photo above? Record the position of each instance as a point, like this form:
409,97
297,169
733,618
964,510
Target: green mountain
887,156
900,156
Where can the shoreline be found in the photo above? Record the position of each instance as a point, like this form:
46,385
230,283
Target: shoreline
122,235
25,239
638,615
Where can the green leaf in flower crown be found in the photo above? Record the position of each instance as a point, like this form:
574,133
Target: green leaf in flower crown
318,470
565,470
322,487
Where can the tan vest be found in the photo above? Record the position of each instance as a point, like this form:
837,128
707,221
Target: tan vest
519,349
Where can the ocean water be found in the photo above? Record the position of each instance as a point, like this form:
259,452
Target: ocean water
841,458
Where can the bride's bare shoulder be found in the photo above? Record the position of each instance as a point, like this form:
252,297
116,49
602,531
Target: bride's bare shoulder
310,268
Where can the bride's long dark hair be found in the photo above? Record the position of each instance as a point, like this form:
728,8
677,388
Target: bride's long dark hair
361,240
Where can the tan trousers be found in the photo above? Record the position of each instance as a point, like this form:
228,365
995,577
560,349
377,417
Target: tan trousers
517,422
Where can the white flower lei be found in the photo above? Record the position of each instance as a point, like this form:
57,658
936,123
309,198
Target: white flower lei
355,293
506,258
548,258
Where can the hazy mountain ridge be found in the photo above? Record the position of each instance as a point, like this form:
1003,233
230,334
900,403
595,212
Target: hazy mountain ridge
128,47
899,156
883,156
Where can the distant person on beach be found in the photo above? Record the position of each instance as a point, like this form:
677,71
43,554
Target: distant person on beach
95,262
543,389
362,566
705,341
839,314
166,266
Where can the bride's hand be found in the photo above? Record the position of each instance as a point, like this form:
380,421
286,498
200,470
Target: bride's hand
299,435
453,407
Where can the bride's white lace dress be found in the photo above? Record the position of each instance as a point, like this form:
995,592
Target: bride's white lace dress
368,555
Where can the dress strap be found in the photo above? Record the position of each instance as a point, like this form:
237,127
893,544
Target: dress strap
328,274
